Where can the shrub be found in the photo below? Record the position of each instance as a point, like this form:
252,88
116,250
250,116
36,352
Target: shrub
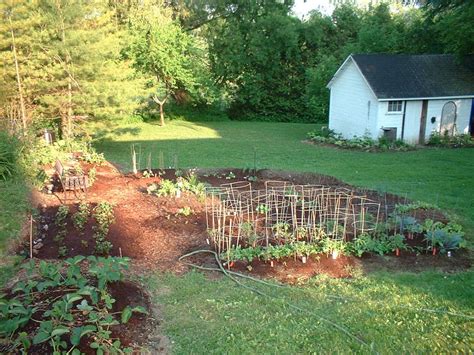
8,156
324,135
446,140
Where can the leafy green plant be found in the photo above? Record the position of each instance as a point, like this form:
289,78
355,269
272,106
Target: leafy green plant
8,156
104,216
166,188
81,306
365,142
79,219
443,236
262,209
447,140
185,211
91,175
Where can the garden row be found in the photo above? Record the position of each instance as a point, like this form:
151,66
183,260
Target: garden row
62,310
435,237
64,223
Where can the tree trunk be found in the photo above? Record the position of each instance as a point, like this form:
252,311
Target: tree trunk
67,120
161,103
18,80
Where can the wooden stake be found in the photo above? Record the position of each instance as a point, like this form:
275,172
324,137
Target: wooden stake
120,252
31,236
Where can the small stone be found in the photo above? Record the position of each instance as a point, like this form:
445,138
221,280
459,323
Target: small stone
38,246
35,251
45,227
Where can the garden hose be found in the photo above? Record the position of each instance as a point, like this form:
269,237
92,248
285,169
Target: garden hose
229,274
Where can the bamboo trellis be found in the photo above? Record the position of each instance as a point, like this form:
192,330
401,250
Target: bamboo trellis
283,212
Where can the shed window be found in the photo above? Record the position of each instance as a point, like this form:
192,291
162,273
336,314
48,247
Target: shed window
395,106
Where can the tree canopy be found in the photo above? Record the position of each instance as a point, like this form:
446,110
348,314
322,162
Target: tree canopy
66,60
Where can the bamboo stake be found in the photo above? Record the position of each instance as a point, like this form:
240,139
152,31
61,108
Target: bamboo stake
31,236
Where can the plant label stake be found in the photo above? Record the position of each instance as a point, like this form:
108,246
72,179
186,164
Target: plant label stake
397,252
304,259
31,237
271,263
335,254
178,193
449,254
434,251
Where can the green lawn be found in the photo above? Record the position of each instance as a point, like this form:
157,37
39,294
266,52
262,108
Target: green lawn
402,313
440,176
389,312
13,208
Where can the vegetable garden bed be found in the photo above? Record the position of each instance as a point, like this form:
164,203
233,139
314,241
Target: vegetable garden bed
154,226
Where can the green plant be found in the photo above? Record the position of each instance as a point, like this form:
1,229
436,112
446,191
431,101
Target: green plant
332,246
262,209
8,156
60,304
104,216
148,174
62,251
418,205
443,236
89,155
248,233
91,175
230,176
457,140
166,188
61,223
185,211
79,219
397,241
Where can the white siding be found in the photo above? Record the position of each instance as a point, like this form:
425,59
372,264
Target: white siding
435,107
387,119
353,106
412,122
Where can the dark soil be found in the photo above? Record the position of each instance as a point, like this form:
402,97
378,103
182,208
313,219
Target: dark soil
133,334
150,230
293,271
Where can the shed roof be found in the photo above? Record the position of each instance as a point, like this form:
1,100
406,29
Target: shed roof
394,76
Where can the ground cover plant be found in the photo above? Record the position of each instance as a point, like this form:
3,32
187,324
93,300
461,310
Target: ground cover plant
324,135
446,140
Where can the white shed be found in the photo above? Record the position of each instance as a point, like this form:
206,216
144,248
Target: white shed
405,96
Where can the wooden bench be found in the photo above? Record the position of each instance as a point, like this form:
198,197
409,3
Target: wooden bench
71,182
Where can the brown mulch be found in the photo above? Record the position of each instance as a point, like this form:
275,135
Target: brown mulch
149,230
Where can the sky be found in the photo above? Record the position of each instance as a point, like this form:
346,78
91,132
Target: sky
302,7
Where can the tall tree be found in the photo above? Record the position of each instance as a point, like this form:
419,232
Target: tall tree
159,47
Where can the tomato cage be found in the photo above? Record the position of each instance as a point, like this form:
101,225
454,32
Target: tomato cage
283,213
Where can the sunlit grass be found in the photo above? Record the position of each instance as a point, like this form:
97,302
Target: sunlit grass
438,176
405,313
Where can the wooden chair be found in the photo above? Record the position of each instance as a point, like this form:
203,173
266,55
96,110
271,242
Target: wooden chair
71,182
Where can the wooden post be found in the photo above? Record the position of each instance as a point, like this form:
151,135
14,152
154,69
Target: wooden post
31,236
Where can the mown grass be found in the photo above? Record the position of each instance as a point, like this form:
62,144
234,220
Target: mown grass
390,312
14,205
439,176
401,313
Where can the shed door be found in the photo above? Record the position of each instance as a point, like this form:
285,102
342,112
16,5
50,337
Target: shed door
448,119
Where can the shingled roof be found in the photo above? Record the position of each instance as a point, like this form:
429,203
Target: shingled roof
393,76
